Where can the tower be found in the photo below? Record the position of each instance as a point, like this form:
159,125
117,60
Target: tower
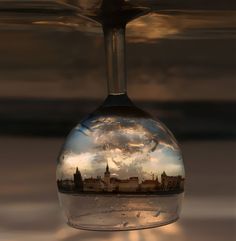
164,181
78,180
107,178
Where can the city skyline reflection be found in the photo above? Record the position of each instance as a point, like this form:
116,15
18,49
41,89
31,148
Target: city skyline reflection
109,184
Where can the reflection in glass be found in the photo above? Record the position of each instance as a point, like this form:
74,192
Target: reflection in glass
119,169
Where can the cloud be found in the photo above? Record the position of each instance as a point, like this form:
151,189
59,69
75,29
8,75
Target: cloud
131,147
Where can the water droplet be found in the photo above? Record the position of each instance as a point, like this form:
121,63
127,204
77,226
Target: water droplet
156,214
125,223
138,214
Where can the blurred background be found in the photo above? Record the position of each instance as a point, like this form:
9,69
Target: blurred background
181,69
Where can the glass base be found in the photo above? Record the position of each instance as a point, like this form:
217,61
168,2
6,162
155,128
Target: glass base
120,212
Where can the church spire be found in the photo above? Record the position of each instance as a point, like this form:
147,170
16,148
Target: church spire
164,173
107,169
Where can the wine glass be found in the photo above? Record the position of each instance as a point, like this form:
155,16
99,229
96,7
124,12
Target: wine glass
119,168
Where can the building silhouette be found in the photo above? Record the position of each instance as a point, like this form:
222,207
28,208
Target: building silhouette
171,184
150,185
107,179
78,181
66,185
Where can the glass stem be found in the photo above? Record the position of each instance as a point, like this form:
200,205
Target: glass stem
115,58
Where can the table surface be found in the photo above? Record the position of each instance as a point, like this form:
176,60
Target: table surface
29,209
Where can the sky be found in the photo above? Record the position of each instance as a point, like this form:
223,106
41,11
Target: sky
131,147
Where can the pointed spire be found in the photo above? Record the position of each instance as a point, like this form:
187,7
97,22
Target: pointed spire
77,170
107,169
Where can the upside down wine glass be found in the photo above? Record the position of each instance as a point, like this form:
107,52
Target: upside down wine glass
119,169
